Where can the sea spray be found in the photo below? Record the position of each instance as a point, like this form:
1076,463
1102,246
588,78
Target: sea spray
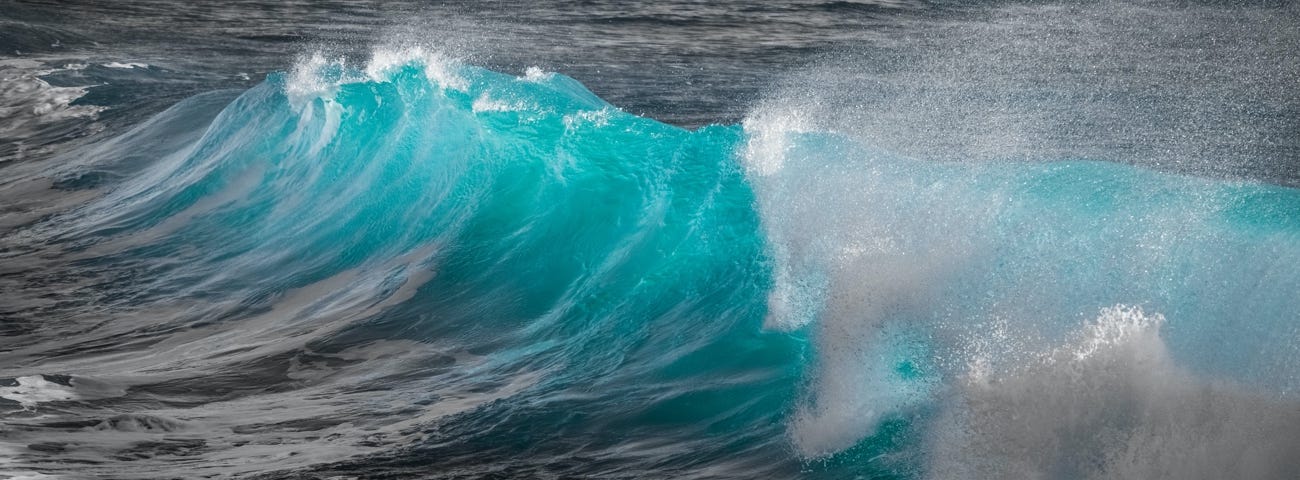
416,255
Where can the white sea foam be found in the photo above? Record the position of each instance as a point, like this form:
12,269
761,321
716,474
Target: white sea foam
597,118
27,101
438,67
771,131
852,265
311,78
486,102
792,302
319,76
126,65
535,74
1111,403
35,389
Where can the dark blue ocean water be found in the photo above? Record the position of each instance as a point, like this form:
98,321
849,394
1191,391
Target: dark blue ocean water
800,239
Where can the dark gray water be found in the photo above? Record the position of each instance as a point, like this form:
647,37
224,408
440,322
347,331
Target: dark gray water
690,63
151,327
1160,82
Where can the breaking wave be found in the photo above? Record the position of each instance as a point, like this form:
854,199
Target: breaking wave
417,256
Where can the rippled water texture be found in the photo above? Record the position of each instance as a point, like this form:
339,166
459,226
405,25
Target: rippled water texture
798,240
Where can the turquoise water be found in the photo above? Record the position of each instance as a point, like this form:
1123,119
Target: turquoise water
564,288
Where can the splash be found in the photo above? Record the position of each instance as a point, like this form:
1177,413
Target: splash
1112,403
911,275
352,263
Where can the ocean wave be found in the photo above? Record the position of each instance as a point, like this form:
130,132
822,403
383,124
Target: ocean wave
352,264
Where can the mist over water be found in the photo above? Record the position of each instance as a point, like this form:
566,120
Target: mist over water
796,240
957,285
1205,89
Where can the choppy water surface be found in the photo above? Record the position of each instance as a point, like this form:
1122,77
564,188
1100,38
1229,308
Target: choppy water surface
586,239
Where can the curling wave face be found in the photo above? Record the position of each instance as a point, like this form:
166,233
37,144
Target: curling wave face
419,266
